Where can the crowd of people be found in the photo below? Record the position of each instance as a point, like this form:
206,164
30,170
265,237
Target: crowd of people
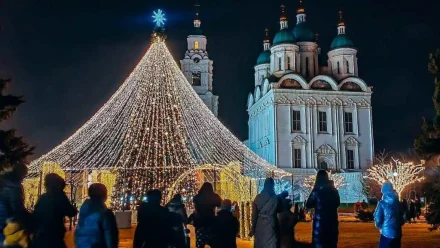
412,210
273,220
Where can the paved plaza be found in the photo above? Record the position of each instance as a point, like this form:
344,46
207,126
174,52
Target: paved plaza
359,235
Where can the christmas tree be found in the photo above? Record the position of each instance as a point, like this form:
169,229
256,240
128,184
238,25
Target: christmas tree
153,130
427,146
13,149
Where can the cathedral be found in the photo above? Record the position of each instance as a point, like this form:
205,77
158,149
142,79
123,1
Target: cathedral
309,110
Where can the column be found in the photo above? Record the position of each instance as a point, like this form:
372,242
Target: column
355,121
341,156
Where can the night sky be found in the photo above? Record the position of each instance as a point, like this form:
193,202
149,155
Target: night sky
68,57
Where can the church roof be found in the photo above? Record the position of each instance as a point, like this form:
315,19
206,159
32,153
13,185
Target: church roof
302,32
272,78
264,57
341,41
283,36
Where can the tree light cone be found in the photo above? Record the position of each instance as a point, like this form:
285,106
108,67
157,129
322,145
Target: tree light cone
153,130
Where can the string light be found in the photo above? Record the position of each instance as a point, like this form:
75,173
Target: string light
30,190
152,132
400,174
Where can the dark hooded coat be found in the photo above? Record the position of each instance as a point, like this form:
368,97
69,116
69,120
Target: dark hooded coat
325,200
205,203
49,215
265,226
180,220
226,229
177,207
287,221
155,227
96,227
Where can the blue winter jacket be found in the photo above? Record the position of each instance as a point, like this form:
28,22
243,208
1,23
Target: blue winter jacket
12,204
96,227
388,216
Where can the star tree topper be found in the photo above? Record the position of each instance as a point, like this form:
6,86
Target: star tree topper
159,18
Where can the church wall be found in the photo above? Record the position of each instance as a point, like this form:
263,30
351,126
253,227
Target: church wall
365,137
262,129
309,139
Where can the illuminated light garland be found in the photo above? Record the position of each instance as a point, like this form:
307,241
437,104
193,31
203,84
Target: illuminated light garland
400,174
153,130
30,190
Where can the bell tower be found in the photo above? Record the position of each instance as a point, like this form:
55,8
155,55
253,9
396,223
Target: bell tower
197,67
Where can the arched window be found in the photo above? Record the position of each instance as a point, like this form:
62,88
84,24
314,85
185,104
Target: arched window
196,44
339,68
348,67
279,63
307,67
196,78
289,66
323,165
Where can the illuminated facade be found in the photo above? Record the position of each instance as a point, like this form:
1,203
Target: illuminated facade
309,111
197,67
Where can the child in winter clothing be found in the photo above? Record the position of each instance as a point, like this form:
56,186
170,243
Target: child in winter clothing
226,227
287,221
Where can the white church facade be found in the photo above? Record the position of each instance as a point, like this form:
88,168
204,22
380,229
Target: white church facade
197,67
310,111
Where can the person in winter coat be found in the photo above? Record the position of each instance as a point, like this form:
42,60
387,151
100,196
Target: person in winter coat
177,209
412,212
176,206
364,205
418,208
388,218
155,223
324,199
49,213
97,226
12,199
236,213
405,210
226,227
265,226
287,221
205,203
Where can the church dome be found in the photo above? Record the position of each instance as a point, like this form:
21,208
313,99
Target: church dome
341,41
302,32
283,36
264,57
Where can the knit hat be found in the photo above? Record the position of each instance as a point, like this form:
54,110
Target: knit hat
226,205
